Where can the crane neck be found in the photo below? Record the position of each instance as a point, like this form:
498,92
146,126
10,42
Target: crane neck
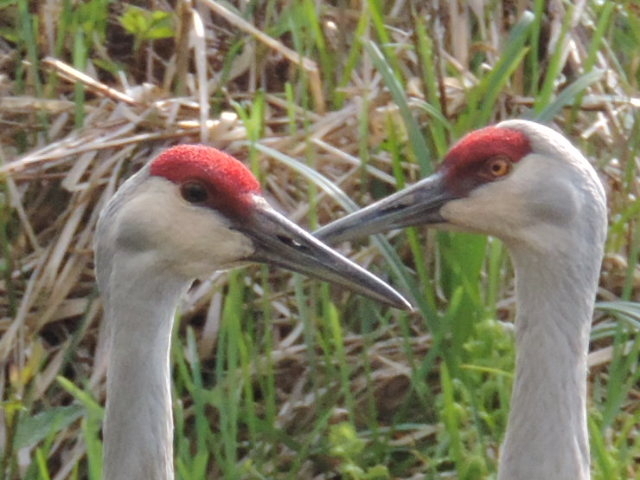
547,436
138,426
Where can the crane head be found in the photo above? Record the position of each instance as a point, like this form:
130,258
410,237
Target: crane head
195,209
518,180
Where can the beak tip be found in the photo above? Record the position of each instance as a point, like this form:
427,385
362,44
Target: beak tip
388,295
404,304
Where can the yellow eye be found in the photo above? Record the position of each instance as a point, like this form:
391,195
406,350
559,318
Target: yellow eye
499,166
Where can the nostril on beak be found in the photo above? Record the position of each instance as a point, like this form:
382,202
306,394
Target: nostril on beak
290,242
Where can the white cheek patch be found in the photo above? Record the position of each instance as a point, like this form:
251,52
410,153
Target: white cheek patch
491,209
207,242
521,204
190,240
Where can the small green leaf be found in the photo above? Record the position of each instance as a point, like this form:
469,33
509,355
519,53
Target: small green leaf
147,25
32,430
133,20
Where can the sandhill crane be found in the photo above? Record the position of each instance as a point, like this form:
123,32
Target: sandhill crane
527,185
191,211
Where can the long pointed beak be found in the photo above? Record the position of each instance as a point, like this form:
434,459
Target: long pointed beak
280,242
418,204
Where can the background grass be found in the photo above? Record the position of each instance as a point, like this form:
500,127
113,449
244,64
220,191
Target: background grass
332,104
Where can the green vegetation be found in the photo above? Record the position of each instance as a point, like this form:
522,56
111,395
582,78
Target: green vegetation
332,104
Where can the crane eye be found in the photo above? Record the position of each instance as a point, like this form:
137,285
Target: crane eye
499,166
194,192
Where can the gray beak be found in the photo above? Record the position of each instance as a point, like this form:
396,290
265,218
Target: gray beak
281,242
418,204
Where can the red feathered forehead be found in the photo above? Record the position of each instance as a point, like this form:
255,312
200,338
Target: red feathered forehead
207,164
485,143
229,182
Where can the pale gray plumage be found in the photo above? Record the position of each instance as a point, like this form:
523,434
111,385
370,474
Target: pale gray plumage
155,236
550,210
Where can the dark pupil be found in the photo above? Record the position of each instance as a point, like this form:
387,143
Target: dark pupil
194,192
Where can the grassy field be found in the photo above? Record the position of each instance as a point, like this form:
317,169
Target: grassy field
332,104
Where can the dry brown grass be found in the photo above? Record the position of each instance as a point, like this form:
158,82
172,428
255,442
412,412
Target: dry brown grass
57,174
